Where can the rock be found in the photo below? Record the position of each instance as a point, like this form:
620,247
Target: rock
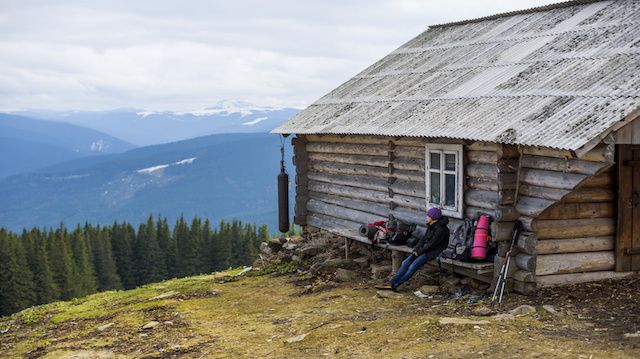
102,328
482,311
461,321
152,324
345,275
450,282
429,289
274,245
168,322
297,338
380,270
264,248
308,252
503,316
389,294
523,310
289,246
549,309
331,265
632,335
296,258
282,240
362,262
164,295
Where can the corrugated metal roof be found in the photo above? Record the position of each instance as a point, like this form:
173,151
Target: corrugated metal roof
556,77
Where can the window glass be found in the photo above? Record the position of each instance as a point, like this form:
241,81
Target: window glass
449,190
449,162
434,160
435,187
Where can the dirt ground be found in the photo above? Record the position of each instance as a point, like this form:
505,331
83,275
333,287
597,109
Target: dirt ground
295,315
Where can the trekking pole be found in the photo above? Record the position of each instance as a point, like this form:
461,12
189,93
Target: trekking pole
504,270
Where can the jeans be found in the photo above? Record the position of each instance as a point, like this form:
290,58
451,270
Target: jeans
409,267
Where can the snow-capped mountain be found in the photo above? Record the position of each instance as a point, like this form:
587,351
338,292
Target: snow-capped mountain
146,127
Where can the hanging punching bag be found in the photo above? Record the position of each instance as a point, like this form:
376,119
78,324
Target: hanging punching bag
283,195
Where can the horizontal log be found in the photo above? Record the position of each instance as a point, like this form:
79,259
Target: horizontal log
575,228
575,245
336,226
368,139
349,192
486,157
606,179
502,213
378,209
487,199
502,150
574,262
482,171
562,165
575,278
554,194
579,210
527,222
551,179
601,153
526,262
501,231
336,211
409,188
527,243
531,206
524,276
348,149
412,164
590,195
503,181
361,170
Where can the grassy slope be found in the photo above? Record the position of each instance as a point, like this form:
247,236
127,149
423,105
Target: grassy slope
219,316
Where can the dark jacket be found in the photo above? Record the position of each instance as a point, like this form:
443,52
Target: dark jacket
435,239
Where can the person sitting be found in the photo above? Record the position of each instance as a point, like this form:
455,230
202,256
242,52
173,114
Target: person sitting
434,241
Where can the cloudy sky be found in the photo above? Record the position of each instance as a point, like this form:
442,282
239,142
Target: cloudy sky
183,55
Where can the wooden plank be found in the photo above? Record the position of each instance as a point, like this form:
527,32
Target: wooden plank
551,179
574,262
574,228
562,165
605,179
531,206
464,271
580,210
554,194
301,180
481,266
574,245
590,195
625,207
546,152
575,278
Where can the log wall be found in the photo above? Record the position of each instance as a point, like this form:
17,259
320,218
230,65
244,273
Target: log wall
568,207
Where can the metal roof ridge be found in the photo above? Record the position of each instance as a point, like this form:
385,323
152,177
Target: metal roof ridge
532,10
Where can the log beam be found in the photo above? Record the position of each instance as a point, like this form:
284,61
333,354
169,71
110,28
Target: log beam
574,262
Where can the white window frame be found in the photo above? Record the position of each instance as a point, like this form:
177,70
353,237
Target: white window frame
441,148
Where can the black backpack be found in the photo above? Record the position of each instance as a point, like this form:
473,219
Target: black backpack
459,247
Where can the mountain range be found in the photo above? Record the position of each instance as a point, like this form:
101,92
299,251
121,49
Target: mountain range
144,127
218,176
27,144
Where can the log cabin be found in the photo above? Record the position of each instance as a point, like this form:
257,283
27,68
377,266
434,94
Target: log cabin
530,115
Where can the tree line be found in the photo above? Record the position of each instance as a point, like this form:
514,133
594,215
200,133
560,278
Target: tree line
45,265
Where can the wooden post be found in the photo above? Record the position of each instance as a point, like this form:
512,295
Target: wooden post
347,247
396,260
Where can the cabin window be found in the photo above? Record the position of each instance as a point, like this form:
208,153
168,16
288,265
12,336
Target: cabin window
444,178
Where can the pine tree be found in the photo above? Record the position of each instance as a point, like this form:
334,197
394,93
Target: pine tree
61,262
105,266
122,237
221,246
83,270
167,246
149,259
16,280
46,289
187,253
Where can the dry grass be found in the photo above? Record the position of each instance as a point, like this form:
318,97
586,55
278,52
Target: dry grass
212,316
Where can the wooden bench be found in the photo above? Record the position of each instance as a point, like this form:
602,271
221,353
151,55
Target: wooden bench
482,271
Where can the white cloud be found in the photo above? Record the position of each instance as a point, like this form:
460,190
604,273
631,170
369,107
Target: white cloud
171,55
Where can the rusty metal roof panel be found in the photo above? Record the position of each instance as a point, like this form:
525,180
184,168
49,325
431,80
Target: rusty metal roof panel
558,77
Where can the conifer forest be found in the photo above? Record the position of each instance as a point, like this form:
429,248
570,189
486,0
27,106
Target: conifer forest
44,265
